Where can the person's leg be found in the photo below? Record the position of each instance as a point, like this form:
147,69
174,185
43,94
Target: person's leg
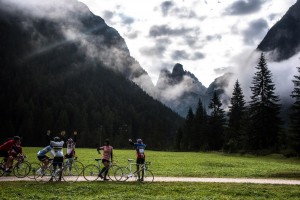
106,164
143,170
9,163
138,168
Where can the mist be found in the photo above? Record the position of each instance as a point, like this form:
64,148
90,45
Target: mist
282,74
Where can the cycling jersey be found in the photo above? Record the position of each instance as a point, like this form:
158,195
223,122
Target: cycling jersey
7,145
57,148
140,149
44,151
107,151
15,150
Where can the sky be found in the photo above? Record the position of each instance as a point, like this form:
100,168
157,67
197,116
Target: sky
208,37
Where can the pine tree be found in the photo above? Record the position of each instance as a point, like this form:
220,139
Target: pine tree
294,132
264,109
236,115
188,130
216,123
200,140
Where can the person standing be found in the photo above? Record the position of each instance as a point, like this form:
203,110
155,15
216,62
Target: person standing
106,157
57,152
140,155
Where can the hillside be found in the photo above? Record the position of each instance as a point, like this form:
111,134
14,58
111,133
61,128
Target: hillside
63,68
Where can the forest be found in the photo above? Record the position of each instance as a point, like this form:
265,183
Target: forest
249,127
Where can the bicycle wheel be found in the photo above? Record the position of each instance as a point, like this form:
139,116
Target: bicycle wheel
112,172
21,169
2,168
122,174
91,172
72,171
33,168
148,176
42,175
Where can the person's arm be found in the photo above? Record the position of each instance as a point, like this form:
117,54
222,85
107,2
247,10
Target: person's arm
130,142
98,150
111,155
75,137
63,133
48,136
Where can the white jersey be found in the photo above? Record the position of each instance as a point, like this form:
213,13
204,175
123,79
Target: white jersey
57,148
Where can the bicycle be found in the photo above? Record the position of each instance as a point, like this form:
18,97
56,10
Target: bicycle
127,172
91,172
20,169
72,169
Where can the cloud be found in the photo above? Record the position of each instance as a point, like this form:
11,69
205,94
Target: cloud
153,51
179,55
165,7
165,30
214,37
126,19
198,56
256,30
108,14
169,8
244,7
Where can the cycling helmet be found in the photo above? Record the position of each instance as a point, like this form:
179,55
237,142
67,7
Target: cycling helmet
139,141
56,139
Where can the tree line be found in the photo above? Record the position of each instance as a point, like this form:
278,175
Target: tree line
248,127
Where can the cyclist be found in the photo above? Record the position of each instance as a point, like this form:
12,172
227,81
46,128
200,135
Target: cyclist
57,151
71,143
107,155
140,155
41,155
5,150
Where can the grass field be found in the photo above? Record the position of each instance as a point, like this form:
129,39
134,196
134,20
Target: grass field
193,164
170,164
132,191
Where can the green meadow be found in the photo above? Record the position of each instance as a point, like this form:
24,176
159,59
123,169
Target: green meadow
198,164
190,164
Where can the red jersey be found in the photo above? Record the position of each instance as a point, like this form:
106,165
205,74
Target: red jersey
7,145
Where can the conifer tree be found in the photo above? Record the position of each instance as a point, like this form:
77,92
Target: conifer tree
264,109
200,141
236,114
294,132
188,130
216,123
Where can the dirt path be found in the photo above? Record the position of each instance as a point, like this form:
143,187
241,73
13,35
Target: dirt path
194,179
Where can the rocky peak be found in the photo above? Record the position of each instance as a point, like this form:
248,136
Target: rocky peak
178,70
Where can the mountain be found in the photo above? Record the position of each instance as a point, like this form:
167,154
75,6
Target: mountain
63,68
179,89
282,40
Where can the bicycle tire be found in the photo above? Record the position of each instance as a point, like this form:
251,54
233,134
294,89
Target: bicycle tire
91,172
21,169
72,171
112,172
2,168
43,176
122,174
33,168
148,176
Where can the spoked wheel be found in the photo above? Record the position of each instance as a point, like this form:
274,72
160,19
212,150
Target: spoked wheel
72,171
91,172
42,175
2,168
22,169
112,172
122,174
148,176
33,168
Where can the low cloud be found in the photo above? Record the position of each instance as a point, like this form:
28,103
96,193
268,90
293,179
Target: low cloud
166,6
244,7
165,30
256,30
